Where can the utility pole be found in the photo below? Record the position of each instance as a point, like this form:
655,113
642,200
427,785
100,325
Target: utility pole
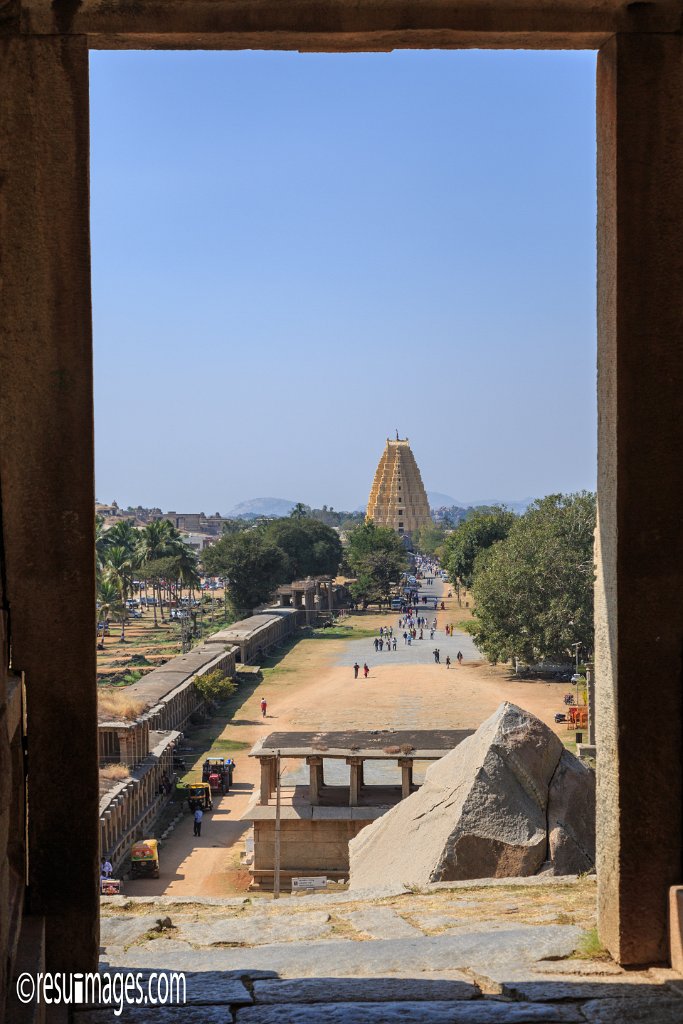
276,851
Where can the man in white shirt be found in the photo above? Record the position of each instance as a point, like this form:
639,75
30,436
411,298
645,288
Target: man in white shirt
198,815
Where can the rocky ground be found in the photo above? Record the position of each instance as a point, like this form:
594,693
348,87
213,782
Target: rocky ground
489,952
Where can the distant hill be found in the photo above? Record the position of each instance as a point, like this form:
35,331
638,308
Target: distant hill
517,506
256,507
438,500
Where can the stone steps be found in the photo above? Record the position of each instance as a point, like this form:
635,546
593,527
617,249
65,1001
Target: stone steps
481,953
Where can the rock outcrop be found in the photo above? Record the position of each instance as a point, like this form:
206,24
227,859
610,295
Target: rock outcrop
500,804
571,817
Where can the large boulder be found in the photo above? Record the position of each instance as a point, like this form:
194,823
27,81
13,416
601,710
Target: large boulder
481,813
571,817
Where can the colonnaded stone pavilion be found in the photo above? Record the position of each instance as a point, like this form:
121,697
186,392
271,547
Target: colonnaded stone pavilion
398,498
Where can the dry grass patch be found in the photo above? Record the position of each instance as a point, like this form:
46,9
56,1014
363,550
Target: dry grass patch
115,772
116,706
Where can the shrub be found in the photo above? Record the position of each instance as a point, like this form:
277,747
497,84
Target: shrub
215,685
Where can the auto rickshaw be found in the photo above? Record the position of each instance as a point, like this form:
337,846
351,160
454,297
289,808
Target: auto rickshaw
199,795
144,859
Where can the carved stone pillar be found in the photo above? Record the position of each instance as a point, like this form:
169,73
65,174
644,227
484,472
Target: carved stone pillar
317,781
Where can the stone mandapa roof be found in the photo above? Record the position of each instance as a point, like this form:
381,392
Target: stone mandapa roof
426,743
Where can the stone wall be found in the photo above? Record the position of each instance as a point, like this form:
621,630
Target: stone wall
260,632
130,807
307,847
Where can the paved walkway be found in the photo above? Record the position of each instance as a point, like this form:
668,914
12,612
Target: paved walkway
420,652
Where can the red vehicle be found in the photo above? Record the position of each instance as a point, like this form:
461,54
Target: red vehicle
217,771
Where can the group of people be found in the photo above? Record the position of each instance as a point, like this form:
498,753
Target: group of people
381,642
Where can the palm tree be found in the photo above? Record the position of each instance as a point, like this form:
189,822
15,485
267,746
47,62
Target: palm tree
153,544
123,534
108,603
100,541
118,570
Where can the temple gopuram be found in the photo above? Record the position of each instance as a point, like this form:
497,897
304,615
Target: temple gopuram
398,498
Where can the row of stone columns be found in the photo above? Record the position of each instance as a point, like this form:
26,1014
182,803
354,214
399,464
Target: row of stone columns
130,803
317,781
134,742
269,634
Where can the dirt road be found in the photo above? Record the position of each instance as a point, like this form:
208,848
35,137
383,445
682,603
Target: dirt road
310,689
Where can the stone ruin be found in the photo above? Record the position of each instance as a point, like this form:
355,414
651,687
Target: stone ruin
508,801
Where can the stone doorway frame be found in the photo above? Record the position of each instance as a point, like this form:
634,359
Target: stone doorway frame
46,455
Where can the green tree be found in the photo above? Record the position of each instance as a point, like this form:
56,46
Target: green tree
300,511
429,539
124,535
161,540
312,549
376,556
108,604
533,591
482,529
251,563
118,570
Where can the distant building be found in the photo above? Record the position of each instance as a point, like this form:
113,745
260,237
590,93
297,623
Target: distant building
398,498
197,522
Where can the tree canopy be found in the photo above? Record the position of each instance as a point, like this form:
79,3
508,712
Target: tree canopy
533,591
482,529
430,538
312,548
376,556
252,564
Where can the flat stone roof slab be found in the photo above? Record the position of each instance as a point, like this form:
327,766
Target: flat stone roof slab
424,743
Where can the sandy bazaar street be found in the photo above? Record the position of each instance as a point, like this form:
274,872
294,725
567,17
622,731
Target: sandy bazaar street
312,686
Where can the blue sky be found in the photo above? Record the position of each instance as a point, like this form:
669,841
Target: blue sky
294,255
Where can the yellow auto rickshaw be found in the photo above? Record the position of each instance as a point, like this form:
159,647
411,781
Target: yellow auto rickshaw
199,795
144,859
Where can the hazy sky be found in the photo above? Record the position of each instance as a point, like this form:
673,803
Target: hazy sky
295,255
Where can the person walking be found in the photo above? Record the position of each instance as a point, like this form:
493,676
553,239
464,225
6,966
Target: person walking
198,815
356,669
459,657
366,670
264,706
393,643
376,644
448,661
